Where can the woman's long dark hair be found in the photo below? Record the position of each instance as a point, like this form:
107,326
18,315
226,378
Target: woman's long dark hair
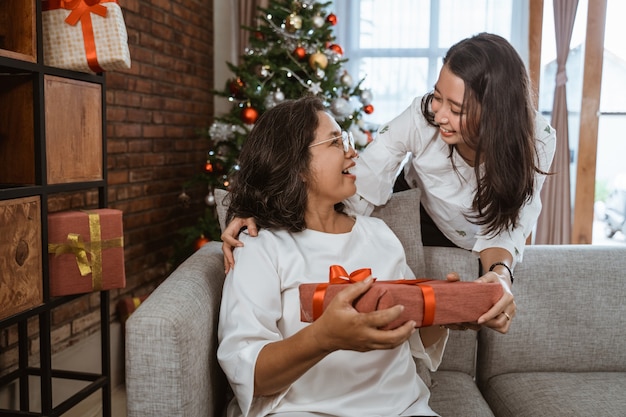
274,162
499,127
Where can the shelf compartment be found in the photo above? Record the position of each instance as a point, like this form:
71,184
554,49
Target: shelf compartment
20,255
73,114
17,129
18,38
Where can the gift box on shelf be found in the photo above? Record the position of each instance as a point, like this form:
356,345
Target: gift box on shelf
428,302
85,251
127,306
20,255
85,35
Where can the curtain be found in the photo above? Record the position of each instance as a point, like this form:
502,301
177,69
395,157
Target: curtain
245,13
555,222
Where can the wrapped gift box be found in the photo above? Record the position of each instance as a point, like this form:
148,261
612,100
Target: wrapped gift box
85,251
20,255
428,302
127,306
87,36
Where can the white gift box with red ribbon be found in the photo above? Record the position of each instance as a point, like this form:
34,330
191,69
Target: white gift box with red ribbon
85,35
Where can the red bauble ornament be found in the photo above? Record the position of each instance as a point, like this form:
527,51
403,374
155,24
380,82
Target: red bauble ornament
369,109
336,48
299,52
259,35
218,168
208,167
236,87
200,242
332,19
249,115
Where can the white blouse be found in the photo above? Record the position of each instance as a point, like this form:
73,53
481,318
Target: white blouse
446,194
260,304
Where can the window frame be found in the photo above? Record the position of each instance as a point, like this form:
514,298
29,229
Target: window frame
347,35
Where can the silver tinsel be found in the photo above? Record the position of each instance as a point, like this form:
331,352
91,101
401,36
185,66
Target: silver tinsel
223,131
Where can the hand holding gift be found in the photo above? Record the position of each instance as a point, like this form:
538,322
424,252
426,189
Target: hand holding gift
426,301
342,327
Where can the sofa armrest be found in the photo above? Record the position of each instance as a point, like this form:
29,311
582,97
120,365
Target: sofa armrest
171,365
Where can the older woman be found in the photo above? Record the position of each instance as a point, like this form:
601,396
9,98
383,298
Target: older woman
296,171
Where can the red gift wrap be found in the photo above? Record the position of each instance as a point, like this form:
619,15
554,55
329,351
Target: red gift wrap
427,301
85,251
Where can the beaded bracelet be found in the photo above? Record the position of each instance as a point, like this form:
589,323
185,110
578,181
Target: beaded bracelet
492,267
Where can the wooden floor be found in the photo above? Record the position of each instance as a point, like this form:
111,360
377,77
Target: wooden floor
92,406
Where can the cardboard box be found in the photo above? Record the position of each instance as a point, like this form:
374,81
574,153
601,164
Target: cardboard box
20,255
428,302
85,251
84,37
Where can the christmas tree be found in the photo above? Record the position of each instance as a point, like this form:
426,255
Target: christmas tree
291,53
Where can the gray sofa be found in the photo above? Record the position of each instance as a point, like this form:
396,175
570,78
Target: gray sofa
565,354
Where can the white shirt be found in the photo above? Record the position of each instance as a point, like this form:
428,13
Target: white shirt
260,304
446,195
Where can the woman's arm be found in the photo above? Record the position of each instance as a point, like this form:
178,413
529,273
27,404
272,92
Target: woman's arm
379,163
499,316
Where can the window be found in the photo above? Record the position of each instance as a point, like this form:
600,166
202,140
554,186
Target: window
611,146
397,45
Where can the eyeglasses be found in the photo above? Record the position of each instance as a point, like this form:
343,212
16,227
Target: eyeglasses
346,138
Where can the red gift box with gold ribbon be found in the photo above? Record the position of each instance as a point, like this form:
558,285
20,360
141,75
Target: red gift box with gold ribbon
427,301
85,251
84,35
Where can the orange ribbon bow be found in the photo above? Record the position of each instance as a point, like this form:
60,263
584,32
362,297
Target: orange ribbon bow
81,12
338,275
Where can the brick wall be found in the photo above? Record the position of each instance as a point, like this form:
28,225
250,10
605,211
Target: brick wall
154,112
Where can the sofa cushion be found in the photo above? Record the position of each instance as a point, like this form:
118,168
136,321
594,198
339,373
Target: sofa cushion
557,394
570,310
401,214
456,394
221,206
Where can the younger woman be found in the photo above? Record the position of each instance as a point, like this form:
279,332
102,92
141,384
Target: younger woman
479,153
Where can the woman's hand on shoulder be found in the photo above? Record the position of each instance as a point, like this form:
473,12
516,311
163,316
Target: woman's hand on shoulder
342,327
230,241
499,316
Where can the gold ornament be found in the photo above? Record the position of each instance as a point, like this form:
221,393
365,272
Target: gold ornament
293,23
318,60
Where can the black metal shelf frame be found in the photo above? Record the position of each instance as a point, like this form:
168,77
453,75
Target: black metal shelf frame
45,372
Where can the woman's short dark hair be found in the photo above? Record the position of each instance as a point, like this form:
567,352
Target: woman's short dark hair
274,162
500,123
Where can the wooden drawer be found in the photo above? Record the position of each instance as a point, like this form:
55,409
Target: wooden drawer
73,130
20,255
17,30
